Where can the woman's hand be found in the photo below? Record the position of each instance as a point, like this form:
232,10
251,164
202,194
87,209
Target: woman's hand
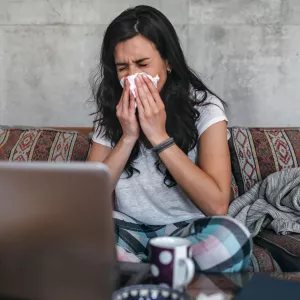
151,111
126,114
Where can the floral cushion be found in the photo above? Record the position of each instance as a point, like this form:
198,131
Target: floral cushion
257,153
284,248
36,144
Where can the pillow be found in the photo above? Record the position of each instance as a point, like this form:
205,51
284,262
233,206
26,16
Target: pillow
257,153
284,248
234,188
38,144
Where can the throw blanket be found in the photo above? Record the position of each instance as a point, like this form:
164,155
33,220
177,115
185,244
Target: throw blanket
273,203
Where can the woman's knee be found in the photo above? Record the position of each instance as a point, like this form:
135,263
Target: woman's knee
224,245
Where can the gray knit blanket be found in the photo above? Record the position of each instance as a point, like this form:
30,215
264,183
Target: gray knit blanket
273,203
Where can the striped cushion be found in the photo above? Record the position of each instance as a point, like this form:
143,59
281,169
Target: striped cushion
42,145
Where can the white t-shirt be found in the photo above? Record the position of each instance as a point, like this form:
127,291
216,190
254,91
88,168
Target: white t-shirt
144,196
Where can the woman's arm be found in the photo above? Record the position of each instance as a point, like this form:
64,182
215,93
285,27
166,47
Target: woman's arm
207,185
115,158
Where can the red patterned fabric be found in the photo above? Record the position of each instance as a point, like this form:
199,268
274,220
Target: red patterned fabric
284,248
262,261
42,145
234,188
257,153
294,137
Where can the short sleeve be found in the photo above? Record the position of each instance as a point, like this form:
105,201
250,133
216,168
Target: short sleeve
98,137
210,114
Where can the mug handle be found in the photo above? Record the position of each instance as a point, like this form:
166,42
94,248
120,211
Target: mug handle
190,270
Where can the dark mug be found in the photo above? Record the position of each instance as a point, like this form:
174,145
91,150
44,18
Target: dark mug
171,262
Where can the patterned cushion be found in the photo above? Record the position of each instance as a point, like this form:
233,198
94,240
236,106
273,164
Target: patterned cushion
234,188
42,145
257,153
284,248
262,261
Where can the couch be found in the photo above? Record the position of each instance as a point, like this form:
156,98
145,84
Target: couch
255,153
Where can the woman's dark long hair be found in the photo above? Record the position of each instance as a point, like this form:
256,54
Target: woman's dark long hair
180,103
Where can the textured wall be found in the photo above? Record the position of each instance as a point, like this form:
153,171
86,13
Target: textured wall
247,51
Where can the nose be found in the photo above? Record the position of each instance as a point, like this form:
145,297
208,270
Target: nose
133,69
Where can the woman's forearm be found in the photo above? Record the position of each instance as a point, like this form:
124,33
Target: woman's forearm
199,186
118,158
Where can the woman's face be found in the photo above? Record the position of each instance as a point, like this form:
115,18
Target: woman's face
140,55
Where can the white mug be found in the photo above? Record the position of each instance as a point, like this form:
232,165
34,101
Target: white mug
171,261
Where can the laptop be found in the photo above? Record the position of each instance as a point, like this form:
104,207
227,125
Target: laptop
56,231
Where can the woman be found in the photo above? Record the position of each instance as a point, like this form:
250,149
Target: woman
169,159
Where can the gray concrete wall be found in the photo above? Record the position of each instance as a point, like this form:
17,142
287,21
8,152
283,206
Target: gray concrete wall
247,51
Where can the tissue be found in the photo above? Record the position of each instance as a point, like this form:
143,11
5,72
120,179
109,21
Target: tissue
131,80
218,296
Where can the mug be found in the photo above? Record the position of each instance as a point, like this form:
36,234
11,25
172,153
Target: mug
171,262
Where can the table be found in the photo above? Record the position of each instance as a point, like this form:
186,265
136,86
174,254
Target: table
228,283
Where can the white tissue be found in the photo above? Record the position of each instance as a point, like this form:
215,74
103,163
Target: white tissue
131,80
219,296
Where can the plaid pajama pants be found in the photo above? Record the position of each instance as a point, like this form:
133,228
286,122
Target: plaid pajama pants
220,244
